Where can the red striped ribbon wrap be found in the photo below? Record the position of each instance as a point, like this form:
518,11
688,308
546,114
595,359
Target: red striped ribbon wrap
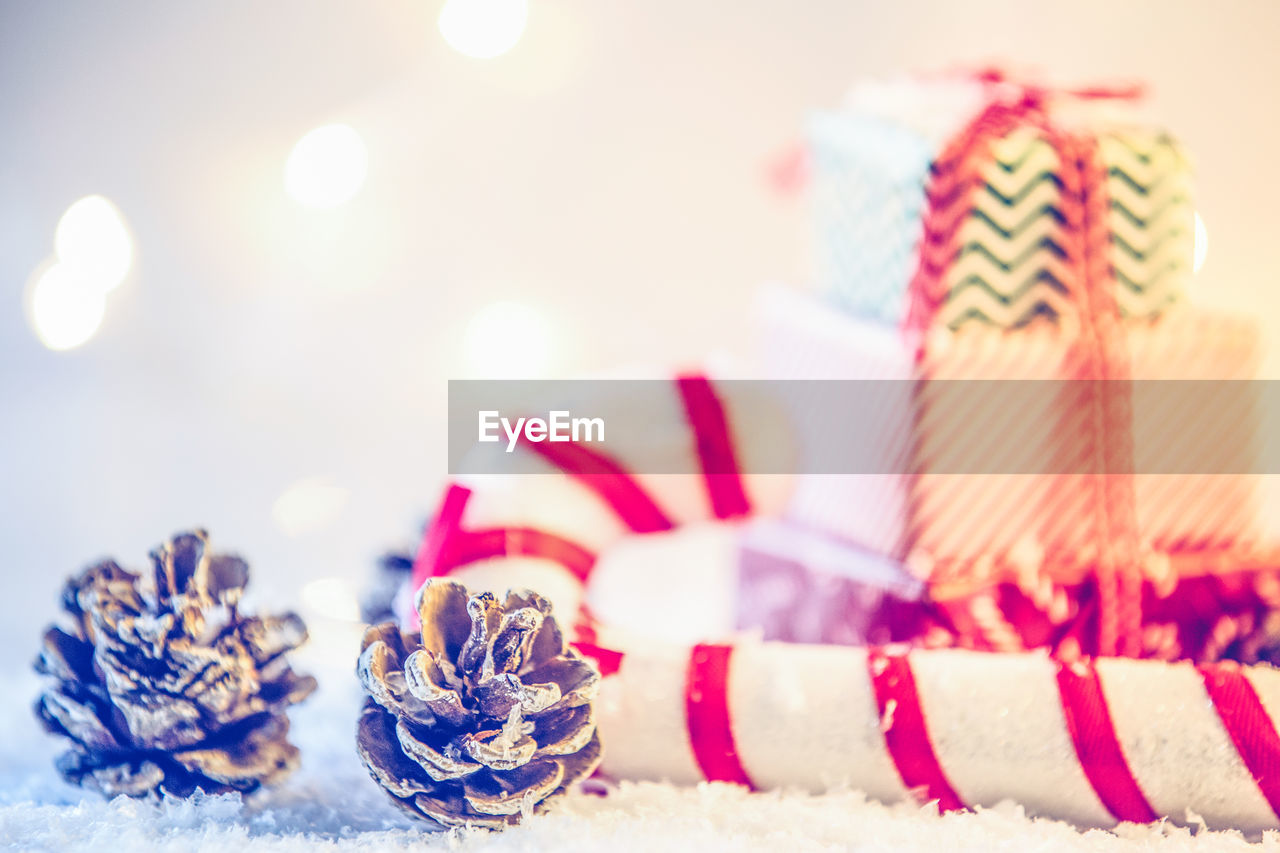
1089,741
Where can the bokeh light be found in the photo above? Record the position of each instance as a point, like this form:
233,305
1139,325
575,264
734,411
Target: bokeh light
1202,245
327,167
508,340
483,29
66,308
308,506
331,598
93,240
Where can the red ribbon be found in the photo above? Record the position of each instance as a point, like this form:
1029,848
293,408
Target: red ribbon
906,736
608,479
1038,93
707,715
608,660
446,546
948,203
435,541
474,545
720,471
1248,724
1093,734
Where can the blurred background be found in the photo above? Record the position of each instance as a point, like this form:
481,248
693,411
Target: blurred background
302,218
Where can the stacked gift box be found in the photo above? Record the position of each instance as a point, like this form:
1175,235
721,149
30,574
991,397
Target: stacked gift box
969,227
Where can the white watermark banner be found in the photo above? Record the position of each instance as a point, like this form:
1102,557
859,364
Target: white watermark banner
1061,427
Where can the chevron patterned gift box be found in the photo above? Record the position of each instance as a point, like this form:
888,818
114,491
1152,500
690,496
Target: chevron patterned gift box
1004,246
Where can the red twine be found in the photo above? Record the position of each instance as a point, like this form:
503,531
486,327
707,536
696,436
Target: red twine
956,176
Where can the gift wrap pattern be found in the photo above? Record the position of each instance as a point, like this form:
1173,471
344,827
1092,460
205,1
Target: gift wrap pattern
1009,260
932,518
975,227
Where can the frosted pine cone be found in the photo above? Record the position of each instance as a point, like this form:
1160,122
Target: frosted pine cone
485,719
163,686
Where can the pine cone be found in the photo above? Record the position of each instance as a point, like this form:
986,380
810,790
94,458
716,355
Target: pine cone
485,719
163,686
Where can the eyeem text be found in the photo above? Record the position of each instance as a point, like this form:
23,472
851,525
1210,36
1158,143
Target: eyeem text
558,426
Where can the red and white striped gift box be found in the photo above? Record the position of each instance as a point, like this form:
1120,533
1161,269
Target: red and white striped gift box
949,518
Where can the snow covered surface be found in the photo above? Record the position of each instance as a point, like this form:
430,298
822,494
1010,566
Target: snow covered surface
331,804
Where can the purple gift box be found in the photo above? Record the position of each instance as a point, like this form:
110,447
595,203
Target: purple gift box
801,586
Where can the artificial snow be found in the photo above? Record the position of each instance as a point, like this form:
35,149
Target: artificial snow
331,804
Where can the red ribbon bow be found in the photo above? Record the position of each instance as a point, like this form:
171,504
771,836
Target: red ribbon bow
1035,94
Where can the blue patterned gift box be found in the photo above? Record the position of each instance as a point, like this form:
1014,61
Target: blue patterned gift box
868,198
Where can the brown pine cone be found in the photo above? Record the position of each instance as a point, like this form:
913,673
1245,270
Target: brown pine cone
486,718
163,686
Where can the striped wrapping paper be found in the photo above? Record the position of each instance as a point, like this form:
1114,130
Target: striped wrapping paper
1196,510
1094,742
1007,246
957,519
798,338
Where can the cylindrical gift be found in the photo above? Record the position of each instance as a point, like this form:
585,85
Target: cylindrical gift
1091,742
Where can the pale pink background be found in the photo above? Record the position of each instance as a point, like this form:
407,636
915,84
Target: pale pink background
610,171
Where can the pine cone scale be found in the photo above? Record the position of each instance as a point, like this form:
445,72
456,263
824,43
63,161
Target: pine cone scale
71,716
507,748
577,678
583,763
444,636
424,677
262,756
531,783
505,692
65,657
438,764
380,673
445,812
288,689
269,638
567,733
160,720
228,575
127,778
